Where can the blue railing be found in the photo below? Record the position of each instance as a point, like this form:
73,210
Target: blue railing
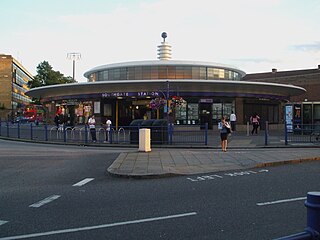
313,220
167,134
302,133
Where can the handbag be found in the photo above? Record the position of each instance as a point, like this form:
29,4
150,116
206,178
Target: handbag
228,130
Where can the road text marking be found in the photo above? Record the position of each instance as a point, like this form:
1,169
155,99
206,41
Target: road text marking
232,174
71,230
282,201
45,201
83,182
2,222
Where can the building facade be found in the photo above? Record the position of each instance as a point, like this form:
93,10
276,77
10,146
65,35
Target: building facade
14,80
305,107
184,92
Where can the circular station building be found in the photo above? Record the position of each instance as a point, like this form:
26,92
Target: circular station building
185,92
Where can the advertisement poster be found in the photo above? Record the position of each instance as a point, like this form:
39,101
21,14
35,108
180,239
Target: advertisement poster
288,115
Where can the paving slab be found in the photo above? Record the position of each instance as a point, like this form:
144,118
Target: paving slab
168,162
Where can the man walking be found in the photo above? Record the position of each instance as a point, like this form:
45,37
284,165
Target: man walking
92,127
108,129
233,119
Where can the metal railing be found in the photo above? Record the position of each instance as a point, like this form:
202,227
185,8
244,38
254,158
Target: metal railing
312,231
302,133
167,134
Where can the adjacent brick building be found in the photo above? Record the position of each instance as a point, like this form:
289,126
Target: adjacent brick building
14,80
306,105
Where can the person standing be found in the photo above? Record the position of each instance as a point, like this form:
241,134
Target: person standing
56,120
255,121
225,129
92,127
233,119
108,129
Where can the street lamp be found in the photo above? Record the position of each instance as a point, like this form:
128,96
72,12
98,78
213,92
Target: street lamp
74,57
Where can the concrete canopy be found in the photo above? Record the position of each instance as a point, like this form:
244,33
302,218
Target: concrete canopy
183,86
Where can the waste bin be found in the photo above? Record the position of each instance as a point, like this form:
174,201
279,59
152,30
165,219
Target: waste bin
159,131
134,130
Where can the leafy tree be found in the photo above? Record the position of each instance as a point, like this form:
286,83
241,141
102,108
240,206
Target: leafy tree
47,76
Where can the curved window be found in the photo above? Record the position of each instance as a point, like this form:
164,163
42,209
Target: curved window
165,72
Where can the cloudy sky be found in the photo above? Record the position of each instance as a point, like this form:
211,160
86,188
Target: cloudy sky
253,35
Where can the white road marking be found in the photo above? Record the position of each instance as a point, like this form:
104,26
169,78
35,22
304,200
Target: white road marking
3,222
71,230
45,201
83,182
282,201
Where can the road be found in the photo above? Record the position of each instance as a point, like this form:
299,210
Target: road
64,192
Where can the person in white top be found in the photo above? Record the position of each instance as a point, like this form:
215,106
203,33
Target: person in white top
92,127
108,129
233,120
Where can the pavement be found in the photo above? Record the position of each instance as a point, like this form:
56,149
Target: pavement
244,152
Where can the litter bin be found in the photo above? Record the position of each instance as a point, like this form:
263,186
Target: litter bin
159,134
134,130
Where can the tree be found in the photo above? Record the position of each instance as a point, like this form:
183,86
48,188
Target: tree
47,76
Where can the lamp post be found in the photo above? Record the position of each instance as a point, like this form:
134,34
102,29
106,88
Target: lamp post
74,57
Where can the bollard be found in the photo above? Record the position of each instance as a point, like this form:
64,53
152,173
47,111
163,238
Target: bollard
7,128
85,134
206,135
144,140
313,220
64,133
31,131
46,132
248,129
285,134
313,212
18,129
266,133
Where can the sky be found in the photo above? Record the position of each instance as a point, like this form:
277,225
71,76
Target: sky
252,35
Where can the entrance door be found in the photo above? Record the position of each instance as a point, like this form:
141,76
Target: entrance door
205,114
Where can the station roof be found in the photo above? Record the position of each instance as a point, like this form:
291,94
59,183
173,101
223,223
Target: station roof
162,63
184,86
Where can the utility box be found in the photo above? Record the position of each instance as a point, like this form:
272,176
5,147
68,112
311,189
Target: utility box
144,140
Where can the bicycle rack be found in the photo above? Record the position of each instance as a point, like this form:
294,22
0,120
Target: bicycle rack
98,135
73,132
58,130
124,134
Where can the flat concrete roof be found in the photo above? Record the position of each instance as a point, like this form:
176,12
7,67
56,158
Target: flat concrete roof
186,86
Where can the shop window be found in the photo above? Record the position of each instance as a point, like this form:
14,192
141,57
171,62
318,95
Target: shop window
181,114
107,110
193,113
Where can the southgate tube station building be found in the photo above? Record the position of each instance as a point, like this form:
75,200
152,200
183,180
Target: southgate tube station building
185,92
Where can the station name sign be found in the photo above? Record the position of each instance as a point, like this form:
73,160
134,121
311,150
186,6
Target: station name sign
131,94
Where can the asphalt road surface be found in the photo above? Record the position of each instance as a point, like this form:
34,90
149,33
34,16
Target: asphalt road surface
64,192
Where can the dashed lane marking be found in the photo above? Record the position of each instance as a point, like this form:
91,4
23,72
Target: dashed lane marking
3,222
282,201
71,230
45,201
83,182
